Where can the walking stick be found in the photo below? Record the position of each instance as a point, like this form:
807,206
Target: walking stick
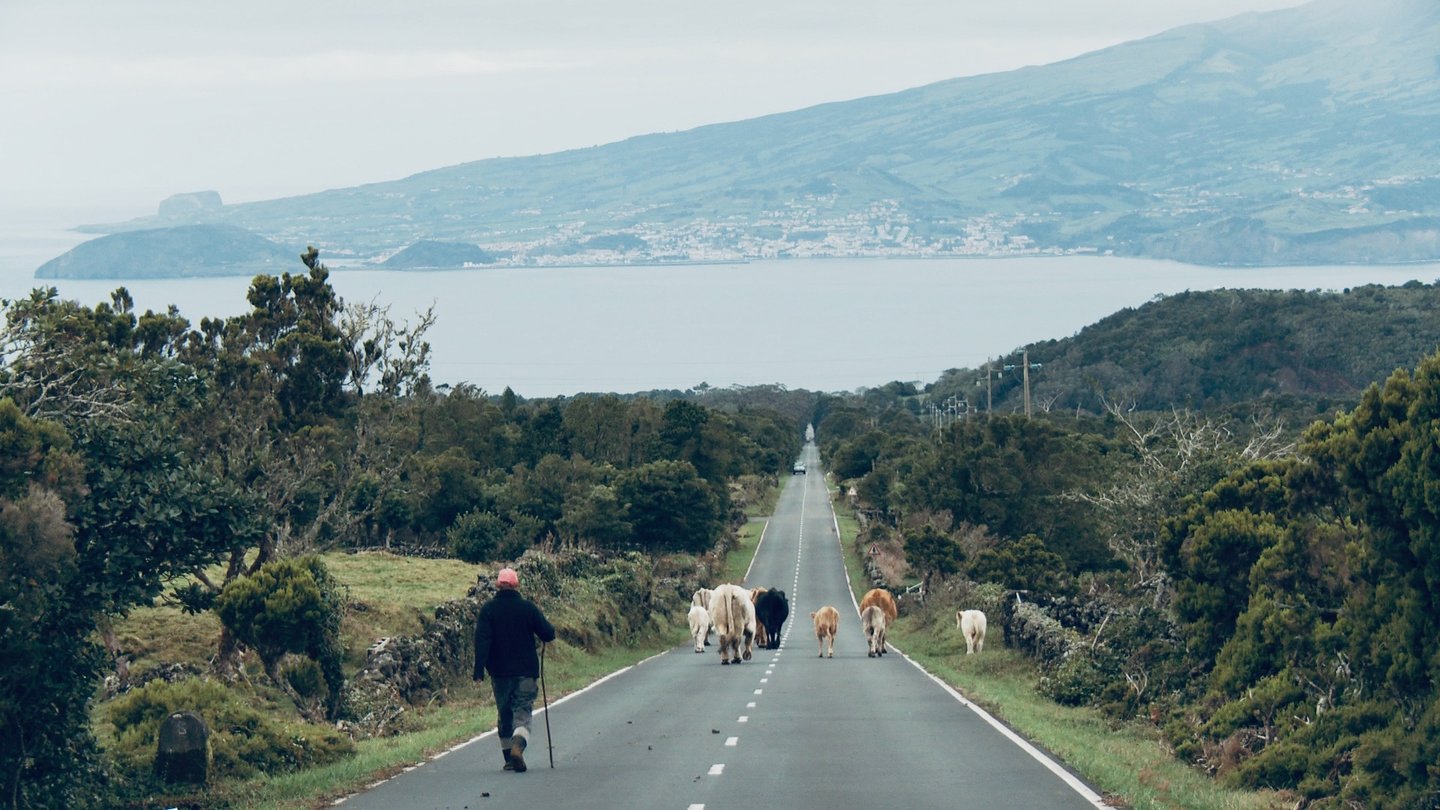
549,743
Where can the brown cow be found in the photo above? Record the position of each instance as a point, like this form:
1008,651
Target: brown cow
762,636
882,599
827,623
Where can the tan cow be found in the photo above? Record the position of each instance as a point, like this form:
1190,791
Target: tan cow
734,620
827,623
882,599
872,621
971,624
762,636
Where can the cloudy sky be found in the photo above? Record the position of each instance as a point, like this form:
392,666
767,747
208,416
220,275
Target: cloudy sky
116,104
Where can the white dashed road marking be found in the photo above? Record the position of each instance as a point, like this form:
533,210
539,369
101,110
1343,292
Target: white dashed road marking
732,741
717,769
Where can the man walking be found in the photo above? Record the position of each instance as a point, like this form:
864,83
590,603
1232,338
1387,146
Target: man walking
505,646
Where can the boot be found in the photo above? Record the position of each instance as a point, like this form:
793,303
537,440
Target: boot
509,761
517,754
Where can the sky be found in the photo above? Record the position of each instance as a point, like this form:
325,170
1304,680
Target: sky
112,106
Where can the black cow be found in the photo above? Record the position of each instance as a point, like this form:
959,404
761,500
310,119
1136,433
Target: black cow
772,608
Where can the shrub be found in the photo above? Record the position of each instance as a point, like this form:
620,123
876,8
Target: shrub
289,606
244,741
476,536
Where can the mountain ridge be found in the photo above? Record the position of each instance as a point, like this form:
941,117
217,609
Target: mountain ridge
1235,142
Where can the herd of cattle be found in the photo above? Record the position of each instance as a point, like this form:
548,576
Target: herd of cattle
742,618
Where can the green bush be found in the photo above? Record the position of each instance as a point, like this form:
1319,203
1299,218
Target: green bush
289,606
1075,681
306,678
476,536
243,740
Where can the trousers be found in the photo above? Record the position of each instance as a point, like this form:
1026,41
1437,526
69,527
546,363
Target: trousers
514,703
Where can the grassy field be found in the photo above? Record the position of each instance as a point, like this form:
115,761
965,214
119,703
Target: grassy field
1127,764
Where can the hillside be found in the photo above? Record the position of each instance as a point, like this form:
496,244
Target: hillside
1305,135
184,251
1306,351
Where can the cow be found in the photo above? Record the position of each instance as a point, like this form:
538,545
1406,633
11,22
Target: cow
762,633
827,623
699,626
734,619
701,599
971,624
882,599
872,621
771,610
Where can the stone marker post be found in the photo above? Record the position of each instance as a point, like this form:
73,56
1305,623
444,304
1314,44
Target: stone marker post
183,754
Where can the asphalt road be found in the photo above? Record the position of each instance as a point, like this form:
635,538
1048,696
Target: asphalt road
786,729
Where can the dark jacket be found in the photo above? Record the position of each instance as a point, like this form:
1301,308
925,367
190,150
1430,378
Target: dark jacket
505,636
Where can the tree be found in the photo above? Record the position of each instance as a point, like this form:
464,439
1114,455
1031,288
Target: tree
933,553
48,665
597,515
670,507
290,606
1023,565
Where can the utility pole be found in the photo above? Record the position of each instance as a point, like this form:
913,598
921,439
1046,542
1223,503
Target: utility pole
1026,365
989,389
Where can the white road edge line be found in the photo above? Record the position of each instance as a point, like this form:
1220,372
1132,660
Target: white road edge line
492,731
1024,744
756,553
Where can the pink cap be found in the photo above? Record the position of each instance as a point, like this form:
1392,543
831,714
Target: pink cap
507,576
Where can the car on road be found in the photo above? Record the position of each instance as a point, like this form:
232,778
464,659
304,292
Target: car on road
798,469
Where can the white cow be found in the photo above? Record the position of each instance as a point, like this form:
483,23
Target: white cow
872,621
701,599
734,619
699,626
971,624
